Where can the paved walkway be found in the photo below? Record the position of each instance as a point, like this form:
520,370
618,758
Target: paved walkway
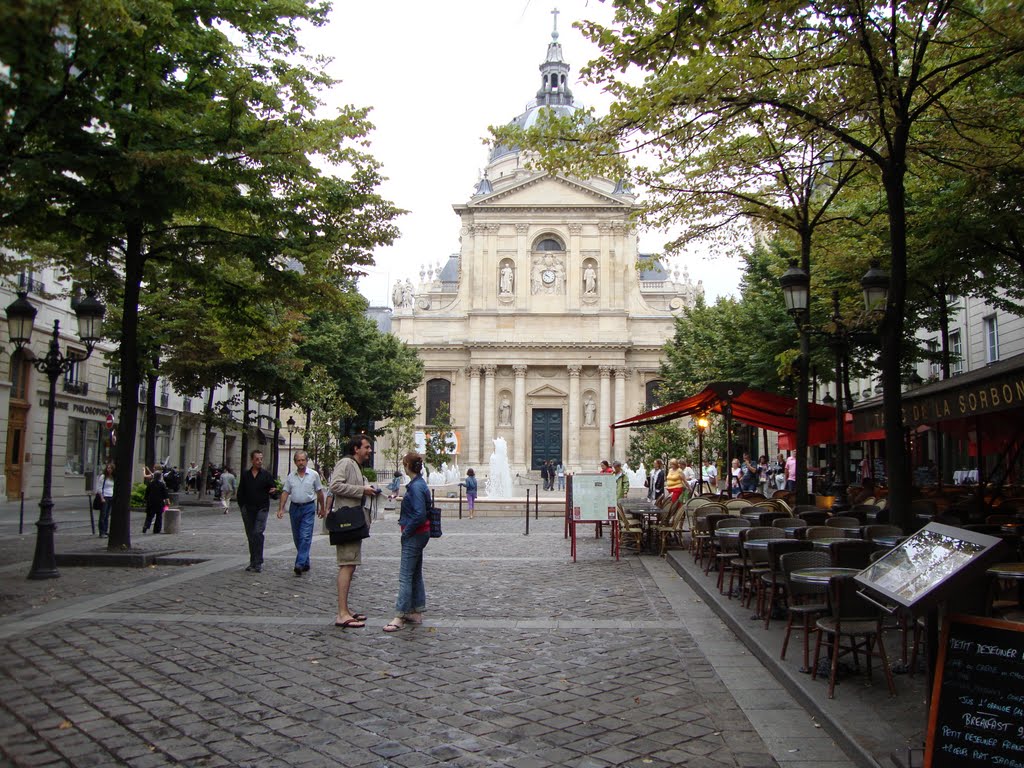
525,659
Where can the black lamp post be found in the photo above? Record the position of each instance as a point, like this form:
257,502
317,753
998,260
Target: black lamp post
795,285
796,289
20,321
225,411
290,424
702,424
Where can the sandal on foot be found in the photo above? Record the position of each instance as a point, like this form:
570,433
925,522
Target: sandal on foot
352,623
393,627
359,616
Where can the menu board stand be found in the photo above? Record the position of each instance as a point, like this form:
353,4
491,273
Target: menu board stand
593,502
976,716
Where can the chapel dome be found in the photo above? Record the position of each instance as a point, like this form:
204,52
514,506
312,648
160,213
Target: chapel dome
554,94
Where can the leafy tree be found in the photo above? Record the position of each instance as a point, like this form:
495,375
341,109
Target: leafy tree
149,131
875,78
327,408
400,430
437,448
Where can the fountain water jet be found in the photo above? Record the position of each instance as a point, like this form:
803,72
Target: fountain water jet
499,478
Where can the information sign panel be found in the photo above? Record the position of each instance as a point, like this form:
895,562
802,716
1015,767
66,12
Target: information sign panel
920,570
593,497
977,711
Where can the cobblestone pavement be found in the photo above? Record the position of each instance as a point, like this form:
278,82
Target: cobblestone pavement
526,659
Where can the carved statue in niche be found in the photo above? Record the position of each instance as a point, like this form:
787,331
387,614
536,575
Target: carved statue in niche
506,280
505,412
590,280
548,274
589,411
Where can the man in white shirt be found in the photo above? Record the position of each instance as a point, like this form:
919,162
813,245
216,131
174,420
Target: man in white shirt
306,493
709,475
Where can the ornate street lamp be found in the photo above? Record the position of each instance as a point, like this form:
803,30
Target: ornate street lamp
796,293
225,410
702,425
20,321
290,424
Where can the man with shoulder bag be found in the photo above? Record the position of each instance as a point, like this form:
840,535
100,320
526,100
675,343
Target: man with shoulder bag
349,487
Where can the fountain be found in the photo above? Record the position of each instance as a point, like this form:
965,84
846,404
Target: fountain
638,478
499,478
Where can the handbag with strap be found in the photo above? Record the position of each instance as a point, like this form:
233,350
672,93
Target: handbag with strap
345,524
97,502
434,515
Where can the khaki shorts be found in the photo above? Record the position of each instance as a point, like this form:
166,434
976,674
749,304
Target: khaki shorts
349,553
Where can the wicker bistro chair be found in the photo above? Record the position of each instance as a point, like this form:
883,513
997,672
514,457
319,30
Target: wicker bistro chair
806,601
725,550
844,521
769,515
806,508
737,505
815,517
703,525
859,623
672,531
786,524
773,585
852,553
631,533
742,564
821,532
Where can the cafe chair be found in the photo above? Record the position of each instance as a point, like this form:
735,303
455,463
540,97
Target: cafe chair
844,521
672,531
805,601
742,564
725,550
703,525
814,517
631,533
788,524
805,508
851,553
735,505
773,585
821,532
853,626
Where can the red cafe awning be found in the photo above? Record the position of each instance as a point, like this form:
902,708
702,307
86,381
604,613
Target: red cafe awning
764,410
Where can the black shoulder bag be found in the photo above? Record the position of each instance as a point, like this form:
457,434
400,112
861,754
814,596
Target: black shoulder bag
345,524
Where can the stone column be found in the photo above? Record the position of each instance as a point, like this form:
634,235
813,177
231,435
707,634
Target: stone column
519,416
522,266
621,374
474,446
574,416
605,416
489,434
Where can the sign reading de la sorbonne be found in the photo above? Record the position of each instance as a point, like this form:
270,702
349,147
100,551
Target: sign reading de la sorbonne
960,402
83,408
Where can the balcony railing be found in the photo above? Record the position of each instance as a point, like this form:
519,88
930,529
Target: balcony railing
31,284
76,387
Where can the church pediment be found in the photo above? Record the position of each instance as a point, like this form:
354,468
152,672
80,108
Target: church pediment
546,391
546,190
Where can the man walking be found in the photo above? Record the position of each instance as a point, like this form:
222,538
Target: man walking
228,488
254,489
306,494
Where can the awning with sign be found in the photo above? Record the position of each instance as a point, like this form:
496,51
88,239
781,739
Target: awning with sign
956,402
757,408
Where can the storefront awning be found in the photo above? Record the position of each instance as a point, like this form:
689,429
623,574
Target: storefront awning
757,408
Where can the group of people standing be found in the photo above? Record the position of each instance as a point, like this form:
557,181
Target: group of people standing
680,478
552,472
305,497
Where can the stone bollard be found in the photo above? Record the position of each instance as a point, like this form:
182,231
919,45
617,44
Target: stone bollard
172,520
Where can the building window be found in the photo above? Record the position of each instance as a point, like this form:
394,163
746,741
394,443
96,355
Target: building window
653,400
73,383
438,391
934,368
956,353
991,339
549,244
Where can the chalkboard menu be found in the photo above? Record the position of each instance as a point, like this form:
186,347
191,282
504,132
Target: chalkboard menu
977,711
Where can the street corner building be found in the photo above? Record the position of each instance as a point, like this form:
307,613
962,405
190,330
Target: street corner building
544,328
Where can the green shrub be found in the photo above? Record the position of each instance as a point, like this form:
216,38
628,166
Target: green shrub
138,495
370,474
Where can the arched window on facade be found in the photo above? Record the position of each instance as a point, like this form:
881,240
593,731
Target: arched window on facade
438,391
653,399
549,244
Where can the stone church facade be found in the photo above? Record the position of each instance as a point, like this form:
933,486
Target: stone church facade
543,329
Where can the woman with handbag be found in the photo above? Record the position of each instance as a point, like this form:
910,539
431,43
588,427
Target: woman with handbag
157,501
348,487
105,496
414,521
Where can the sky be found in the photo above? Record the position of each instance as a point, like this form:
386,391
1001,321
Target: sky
436,76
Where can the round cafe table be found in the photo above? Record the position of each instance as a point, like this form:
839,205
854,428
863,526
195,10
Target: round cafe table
823,544
819,575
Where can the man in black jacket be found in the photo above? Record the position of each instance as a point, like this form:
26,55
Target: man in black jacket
255,487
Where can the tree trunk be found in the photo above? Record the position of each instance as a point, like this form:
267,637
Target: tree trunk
897,471
120,516
207,428
802,411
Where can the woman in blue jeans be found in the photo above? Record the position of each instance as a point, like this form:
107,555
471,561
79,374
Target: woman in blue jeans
415,524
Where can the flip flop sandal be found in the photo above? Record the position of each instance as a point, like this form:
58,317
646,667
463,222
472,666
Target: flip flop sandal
392,627
359,616
352,623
